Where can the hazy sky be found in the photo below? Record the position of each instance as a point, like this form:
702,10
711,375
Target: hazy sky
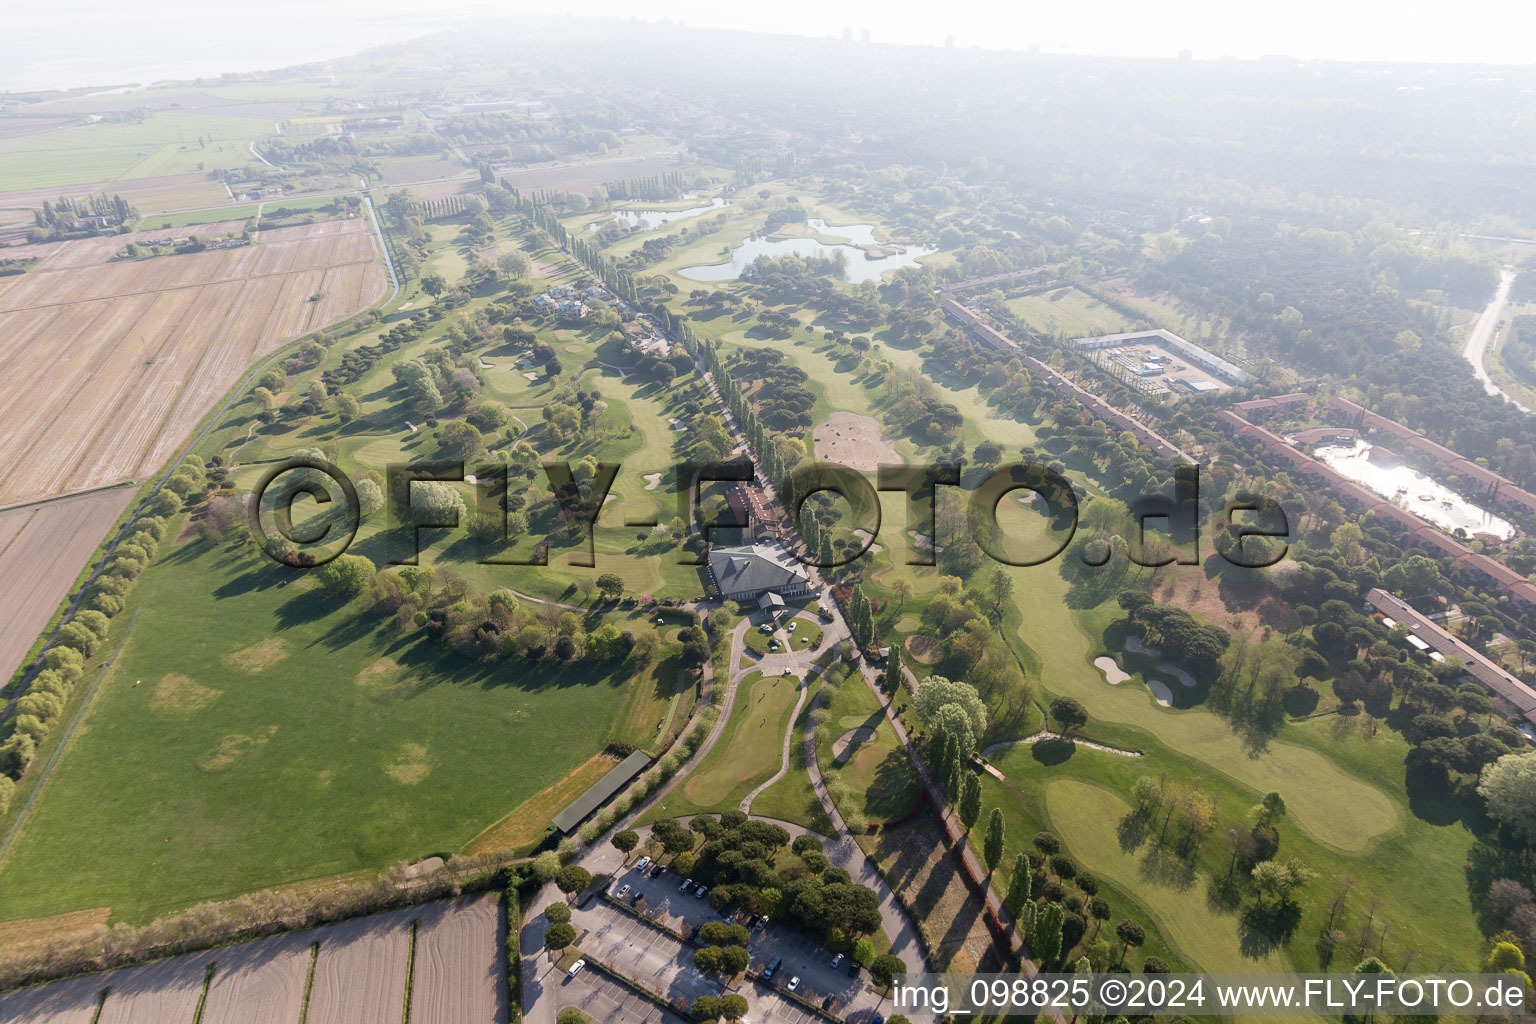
98,42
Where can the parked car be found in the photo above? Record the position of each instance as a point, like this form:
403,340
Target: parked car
766,628
701,891
772,968
687,884
623,891
826,1004
643,863
657,870
853,968
575,968
638,896
791,627
794,982
837,960
762,922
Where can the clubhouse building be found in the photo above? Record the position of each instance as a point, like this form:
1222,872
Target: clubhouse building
751,571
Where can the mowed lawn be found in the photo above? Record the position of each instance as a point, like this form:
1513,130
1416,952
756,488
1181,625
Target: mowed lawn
253,734
882,784
1089,815
1334,806
1068,311
749,752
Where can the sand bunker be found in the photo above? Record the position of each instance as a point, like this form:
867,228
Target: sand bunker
652,481
531,376
845,745
866,537
1114,675
1135,646
922,649
920,540
854,441
1160,692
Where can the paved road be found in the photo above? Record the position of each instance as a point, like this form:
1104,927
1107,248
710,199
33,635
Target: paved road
1481,337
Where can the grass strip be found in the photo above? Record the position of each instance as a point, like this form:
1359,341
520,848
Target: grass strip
509,903
309,982
410,973
101,1002
202,998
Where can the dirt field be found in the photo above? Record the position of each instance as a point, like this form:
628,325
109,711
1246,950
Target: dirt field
150,195
458,974
259,982
63,1002
105,368
854,441
584,177
47,545
156,993
85,252
360,975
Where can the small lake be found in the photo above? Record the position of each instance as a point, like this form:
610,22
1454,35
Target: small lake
857,266
1402,485
651,219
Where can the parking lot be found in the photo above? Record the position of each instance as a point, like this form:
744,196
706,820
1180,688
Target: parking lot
604,999
651,957
852,998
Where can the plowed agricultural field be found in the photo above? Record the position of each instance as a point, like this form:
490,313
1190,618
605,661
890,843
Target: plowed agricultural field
356,973
42,550
105,368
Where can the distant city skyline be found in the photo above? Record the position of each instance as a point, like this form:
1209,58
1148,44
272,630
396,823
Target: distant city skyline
75,43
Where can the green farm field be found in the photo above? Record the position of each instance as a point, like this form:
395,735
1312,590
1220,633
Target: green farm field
252,734
164,144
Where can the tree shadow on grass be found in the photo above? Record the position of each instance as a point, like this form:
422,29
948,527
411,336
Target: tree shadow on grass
1261,930
1131,832
1053,752
1432,797
309,605
1162,866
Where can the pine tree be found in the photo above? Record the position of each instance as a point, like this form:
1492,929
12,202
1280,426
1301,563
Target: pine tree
1018,885
952,784
992,848
970,799
1046,938
1027,914
944,756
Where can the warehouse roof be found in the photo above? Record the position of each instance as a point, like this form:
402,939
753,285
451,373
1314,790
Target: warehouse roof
619,777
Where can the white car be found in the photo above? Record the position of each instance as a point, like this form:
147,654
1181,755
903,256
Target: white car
765,628
623,890
791,627
643,863
794,983
575,968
